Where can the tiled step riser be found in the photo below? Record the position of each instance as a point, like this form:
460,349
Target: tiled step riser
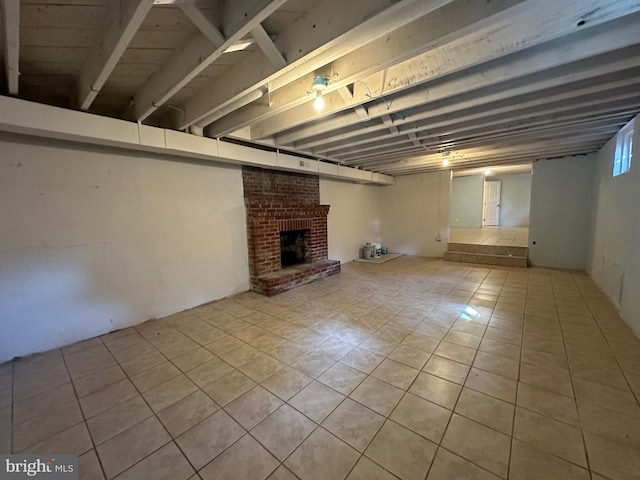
503,261
488,249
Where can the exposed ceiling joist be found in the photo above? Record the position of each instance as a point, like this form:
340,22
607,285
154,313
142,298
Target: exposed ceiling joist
205,26
418,36
268,47
122,24
331,29
11,23
488,44
239,18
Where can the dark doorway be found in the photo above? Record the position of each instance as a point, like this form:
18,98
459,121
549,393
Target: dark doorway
293,247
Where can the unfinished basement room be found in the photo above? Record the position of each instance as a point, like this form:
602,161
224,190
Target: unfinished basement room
320,239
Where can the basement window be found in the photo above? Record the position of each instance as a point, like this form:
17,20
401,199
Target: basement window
624,150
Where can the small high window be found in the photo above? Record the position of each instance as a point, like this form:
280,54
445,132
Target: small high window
624,150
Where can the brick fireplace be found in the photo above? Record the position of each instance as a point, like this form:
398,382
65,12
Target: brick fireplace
278,202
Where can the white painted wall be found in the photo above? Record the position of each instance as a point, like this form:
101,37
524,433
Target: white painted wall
93,240
354,217
614,262
560,218
515,199
466,201
415,210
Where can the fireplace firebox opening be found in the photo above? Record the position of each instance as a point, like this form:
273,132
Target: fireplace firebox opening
294,247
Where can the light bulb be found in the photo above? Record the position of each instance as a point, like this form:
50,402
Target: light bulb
318,103
487,173
445,163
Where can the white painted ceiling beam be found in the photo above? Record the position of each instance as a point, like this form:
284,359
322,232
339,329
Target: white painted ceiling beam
423,33
122,25
239,18
332,28
11,28
558,19
205,26
268,47
347,96
560,98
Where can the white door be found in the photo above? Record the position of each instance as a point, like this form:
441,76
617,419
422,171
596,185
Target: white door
491,211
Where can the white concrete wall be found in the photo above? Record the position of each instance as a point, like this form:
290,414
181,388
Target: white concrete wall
515,199
415,212
614,262
466,201
93,240
354,217
560,218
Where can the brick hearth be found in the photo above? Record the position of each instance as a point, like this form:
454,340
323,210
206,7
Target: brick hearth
282,201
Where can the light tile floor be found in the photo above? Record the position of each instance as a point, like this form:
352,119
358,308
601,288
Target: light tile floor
412,369
507,236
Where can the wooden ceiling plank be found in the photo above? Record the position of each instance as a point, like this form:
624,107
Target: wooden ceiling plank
122,26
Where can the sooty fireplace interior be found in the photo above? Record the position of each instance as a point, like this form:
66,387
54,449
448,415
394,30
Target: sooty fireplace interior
294,248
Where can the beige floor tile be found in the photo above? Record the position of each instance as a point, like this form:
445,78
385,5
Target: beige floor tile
316,401
74,440
421,342
448,466
312,364
431,329
118,419
186,413
377,395
193,359
322,457
261,368
169,393
462,338
436,390
282,473
209,438
548,403
544,360
143,362
409,356
155,376
107,398
6,427
455,352
354,424
492,384
502,366
479,444
469,327
39,428
224,345
486,410
167,463
253,407
91,360
531,463
244,460
286,382
550,435
611,459
98,381
283,430
362,360
552,380
209,372
422,417
396,374
43,403
342,378
612,398
611,377
226,389
402,452
365,469
89,466
334,348
447,369
546,345
131,446
502,349
610,424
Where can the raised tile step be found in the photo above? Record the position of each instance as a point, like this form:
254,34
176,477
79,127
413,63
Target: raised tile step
488,249
486,259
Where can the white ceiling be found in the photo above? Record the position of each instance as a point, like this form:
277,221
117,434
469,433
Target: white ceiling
410,82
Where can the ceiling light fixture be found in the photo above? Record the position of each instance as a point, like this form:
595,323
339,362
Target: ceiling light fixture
445,163
319,86
487,173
